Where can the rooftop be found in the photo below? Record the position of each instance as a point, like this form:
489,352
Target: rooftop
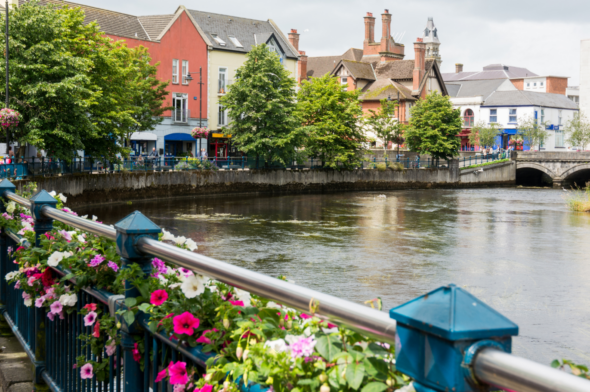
492,71
530,98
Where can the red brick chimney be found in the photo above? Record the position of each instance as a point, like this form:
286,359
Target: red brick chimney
458,67
419,63
294,39
369,28
302,67
386,35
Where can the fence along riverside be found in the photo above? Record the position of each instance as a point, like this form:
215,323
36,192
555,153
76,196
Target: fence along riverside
445,340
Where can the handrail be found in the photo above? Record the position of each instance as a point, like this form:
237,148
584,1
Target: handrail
354,316
80,223
18,199
513,373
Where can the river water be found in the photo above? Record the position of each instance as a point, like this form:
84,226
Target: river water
519,250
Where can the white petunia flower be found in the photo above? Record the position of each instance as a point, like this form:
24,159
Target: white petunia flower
55,258
294,338
180,240
193,285
52,193
163,280
94,218
11,275
273,305
68,299
27,225
243,296
84,216
81,238
277,345
28,302
167,236
191,245
62,198
11,207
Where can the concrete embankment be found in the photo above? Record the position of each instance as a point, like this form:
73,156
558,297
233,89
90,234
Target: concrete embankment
108,188
498,174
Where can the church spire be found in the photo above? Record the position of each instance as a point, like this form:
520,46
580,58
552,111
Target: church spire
432,42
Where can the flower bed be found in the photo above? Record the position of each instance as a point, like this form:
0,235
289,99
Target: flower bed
250,339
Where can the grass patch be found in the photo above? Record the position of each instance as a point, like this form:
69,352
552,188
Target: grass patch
397,166
486,163
579,199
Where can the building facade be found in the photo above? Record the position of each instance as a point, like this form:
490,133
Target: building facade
430,38
585,77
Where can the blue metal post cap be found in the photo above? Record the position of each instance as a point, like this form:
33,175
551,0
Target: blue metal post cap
6,185
453,314
38,201
137,223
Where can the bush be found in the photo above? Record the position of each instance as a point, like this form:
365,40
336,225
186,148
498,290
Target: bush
579,199
397,166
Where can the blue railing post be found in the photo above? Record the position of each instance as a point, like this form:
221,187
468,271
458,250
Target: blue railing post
5,186
43,224
440,333
129,230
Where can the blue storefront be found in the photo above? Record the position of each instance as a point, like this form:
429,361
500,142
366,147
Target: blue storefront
177,143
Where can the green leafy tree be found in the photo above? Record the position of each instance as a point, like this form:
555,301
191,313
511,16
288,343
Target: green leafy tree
384,124
332,116
578,131
434,127
71,83
532,131
261,105
484,135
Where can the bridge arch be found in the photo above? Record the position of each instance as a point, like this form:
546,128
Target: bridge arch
579,175
537,166
534,174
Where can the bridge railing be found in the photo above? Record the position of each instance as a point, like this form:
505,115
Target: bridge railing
479,159
445,340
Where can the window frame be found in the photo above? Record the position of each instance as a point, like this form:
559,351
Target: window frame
175,65
221,115
344,81
559,117
494,115
235,41
218,39
184,115
225,79
468,118
184,72
512,115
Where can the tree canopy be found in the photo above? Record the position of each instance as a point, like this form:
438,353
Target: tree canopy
532,131
76,88
483,134
384,123
434,126
578,131
332,117
261,105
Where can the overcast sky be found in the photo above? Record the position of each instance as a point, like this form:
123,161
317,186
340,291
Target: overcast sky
541,35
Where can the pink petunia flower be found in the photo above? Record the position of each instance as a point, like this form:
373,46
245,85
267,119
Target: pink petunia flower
56,307
90,318
111,348
112,265
136,353
178,373
162,375
86,371
96,260
237,303
158,297
204,339
91,307
303,347
39,302
205,388
185,324
96,331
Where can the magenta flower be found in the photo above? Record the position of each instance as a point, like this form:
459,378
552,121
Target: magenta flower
204,339
112,265
237,303
96,260
56,307
178,373
162,375
160,266
86,371
111,348
206,388
90,318
158,297
303,347
185,323
39,302
65,235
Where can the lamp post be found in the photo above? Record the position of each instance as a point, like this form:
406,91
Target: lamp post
189,79
7,134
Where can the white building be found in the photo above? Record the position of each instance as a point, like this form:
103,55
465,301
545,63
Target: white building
585,77
430,38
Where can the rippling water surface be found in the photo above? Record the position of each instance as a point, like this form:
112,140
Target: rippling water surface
519,250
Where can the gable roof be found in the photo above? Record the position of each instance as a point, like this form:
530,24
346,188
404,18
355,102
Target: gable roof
492,71
154,25
397,70
353,54
530,98
320,66
248,32
384,88
356,69
474,88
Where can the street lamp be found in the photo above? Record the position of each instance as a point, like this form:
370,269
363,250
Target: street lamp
189,79
7,137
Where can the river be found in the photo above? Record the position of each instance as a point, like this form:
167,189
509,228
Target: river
519,250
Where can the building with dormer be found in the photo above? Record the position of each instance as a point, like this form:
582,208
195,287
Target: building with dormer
430,38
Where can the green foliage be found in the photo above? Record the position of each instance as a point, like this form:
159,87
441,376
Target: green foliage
331,116
484,135
261,104
579,199
74,86
532,131
434,127
577,131
384,123
577,370
396,166
485,164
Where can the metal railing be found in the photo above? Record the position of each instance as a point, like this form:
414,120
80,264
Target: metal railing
480,158
53,350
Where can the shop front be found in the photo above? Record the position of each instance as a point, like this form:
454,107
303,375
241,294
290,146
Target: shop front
179,144
464,136
142,143
220,146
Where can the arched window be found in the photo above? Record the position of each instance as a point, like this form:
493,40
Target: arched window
468,118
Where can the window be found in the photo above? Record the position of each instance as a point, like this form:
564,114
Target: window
222,117
180,111
184,71
541,84
235,41
542,115
559,117
468,118
493,115
535,84
434,31
344,81
274,47
528,85
218,40
558,138
174,71
512,116
222,88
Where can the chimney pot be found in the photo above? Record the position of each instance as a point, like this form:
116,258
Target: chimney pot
294,31
369,14
419,39
419,64
386,11
458,68
369,28
294,38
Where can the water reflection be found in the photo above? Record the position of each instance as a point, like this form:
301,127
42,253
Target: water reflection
521,251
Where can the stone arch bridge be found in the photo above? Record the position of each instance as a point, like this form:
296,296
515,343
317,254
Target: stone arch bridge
564,168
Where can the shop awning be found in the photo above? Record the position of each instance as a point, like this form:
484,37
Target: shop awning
179,137
144,136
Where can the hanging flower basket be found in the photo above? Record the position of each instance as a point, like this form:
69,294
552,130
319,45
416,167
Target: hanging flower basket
9,118
200,133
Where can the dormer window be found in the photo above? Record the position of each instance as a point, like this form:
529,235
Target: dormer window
274,47
426,32
434,32
235,41
218,40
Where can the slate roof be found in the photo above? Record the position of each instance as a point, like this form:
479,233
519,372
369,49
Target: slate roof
530,98
110,22
474,88
400,69
357,69
384,88
320,66
492,71
155,24
249,32
353,54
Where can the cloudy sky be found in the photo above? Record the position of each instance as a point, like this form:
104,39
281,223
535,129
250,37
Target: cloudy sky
541,35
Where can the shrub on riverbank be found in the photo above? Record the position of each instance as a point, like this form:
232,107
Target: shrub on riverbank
397,166
579,199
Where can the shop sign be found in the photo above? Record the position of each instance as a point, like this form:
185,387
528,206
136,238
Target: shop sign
221,135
